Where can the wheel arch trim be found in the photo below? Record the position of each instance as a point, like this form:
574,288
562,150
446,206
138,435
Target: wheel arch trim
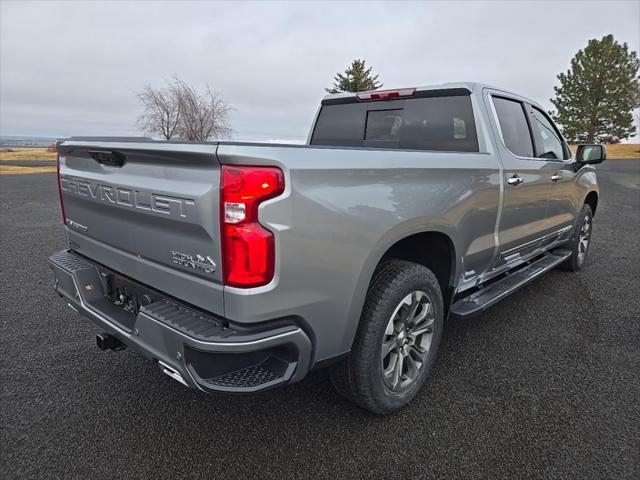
383,246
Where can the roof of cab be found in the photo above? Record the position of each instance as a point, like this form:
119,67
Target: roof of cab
472,87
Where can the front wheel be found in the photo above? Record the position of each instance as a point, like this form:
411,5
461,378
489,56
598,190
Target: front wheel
397,339
580,241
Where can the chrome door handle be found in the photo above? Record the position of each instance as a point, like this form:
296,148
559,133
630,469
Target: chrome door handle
515,180
555,177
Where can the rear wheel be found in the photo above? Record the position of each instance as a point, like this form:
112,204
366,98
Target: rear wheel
397,339
580,241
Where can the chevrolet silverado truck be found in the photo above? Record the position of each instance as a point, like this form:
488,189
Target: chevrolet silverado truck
238,267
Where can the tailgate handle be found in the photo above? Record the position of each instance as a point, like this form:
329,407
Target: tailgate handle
108,157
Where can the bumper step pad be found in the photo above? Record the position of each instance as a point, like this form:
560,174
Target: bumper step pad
71,263
247,377
487,296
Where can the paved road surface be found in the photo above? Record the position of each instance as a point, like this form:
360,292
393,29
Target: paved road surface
544,385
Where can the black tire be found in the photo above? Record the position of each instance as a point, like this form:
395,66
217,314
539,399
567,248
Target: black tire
360,377
576,261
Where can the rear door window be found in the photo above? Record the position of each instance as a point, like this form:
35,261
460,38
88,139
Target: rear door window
514,126
443,123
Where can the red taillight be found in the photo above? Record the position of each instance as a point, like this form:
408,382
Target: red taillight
64,217
248,249
385,94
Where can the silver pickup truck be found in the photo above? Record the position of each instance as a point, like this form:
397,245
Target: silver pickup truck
238,267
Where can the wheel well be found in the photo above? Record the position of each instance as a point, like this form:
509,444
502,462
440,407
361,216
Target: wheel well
435,251
592,201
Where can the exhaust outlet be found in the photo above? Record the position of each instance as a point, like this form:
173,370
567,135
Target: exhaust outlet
104,342
167,370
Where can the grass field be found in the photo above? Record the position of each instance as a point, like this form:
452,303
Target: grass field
11,170
28,154
620,150
623,150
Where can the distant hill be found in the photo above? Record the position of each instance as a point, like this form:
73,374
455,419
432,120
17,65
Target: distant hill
25,141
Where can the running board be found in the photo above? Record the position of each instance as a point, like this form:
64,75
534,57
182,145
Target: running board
482,299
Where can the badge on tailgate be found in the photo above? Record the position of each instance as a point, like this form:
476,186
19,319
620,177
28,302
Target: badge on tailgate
197,261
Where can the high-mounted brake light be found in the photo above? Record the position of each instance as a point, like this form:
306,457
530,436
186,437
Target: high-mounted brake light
248,249
385,94
64,217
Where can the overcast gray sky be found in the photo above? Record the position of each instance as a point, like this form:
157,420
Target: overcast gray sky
73,68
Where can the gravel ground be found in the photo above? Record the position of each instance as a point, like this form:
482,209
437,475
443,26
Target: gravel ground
544,385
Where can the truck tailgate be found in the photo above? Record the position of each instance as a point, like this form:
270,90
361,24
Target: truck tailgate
148,210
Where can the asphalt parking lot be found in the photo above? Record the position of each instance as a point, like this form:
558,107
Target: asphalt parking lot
544,385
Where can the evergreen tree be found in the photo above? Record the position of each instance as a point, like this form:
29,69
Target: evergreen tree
598,93
356,78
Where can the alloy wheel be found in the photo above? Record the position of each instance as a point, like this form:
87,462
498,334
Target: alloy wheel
407,340
584,239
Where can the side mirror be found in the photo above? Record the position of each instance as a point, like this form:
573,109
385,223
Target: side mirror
591,154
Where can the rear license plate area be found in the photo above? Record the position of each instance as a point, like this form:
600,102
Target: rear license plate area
125,294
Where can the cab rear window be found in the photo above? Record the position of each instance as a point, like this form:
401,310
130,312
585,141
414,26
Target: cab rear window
441,123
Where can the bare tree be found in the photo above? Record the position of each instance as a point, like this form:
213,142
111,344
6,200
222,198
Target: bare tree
204,115
162,111
179,111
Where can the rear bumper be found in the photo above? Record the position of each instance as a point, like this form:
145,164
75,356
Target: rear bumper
197,349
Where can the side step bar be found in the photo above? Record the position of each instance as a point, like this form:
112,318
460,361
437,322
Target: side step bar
487,296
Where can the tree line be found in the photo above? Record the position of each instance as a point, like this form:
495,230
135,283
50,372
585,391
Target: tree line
594,101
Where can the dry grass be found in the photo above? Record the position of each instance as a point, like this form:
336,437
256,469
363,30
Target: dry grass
28,154
620,150
11,170
623,150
